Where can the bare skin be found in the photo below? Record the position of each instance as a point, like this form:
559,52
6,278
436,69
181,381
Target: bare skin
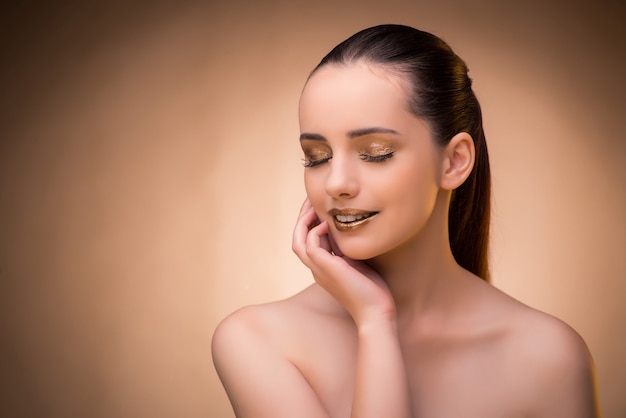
406,332
297,358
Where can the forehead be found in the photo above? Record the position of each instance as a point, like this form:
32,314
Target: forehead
352,96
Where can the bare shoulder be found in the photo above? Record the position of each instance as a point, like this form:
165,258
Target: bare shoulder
256,322
252,350
551,362
274,323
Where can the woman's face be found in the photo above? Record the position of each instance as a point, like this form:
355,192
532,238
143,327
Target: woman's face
371,167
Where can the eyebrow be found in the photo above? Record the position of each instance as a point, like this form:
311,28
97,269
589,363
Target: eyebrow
352,134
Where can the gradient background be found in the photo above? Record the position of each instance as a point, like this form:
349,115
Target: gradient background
150,177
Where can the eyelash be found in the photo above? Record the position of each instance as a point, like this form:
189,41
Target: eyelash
312,163
368,158
376,158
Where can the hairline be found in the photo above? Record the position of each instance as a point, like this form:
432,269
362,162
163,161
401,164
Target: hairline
395,73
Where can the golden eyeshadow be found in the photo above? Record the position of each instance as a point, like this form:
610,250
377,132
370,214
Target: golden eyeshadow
376,148
316,153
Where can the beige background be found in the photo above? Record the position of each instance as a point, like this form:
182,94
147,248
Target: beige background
150,177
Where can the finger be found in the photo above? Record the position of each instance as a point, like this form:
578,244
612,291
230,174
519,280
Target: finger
306,205
314,236
333,246
325,242
306,212
306,220
317,241
318,253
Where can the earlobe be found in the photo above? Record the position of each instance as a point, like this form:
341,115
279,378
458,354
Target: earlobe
458,161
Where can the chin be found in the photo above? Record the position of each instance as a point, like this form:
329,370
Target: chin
361,251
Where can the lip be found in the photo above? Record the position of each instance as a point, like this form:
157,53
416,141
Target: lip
346,220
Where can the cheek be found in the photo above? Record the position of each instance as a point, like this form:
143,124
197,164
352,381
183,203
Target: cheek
315,191
413,189
309,186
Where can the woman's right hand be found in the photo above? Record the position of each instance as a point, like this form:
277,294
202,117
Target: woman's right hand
354,284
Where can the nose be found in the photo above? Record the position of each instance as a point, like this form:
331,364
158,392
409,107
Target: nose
342,181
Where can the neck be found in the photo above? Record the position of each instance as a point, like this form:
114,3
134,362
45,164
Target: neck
422,274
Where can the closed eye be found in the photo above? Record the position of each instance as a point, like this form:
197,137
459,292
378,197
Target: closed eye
376,158
307,162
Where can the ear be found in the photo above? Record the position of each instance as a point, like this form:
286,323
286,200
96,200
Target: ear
458,161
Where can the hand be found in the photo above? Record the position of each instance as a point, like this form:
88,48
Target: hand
354,284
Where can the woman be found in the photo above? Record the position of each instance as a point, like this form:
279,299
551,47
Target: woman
401,320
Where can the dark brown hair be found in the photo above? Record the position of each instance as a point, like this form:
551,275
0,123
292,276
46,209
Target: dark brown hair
442,95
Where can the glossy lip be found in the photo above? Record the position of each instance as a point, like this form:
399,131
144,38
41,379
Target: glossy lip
350,226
